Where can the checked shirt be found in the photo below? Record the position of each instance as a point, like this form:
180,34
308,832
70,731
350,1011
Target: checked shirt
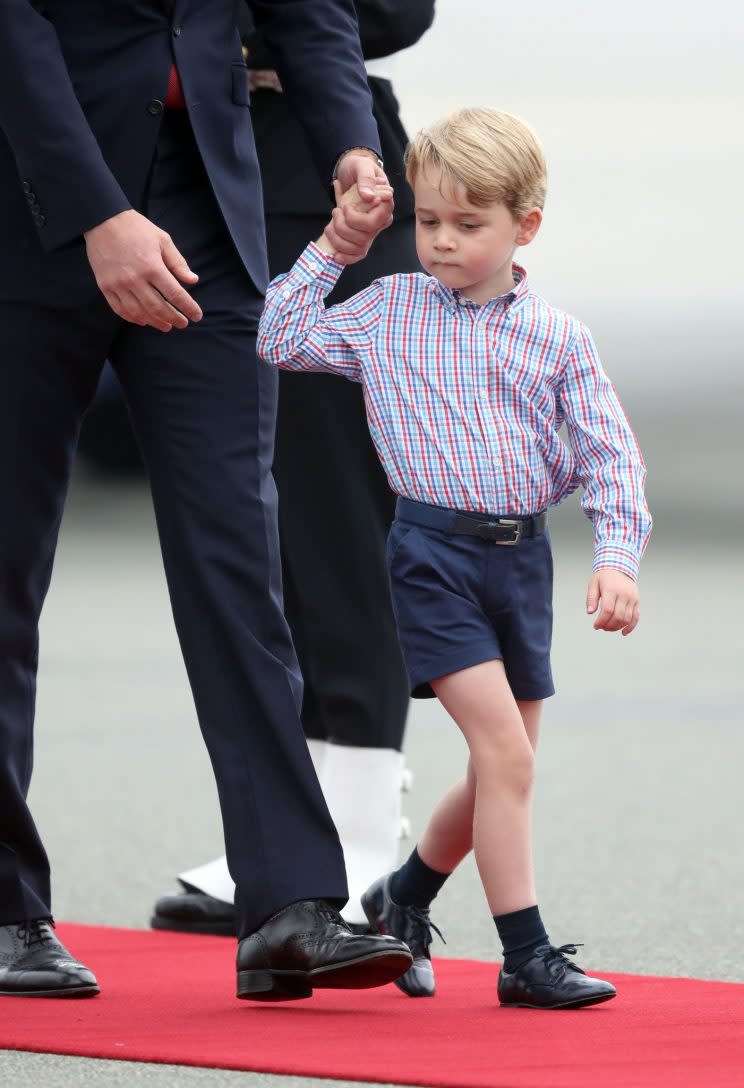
464,402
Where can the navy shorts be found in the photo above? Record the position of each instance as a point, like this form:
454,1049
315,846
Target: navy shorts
460,600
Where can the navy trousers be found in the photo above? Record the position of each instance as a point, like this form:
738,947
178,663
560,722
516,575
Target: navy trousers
203,408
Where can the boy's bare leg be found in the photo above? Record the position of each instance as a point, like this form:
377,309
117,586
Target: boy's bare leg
448,837
495,798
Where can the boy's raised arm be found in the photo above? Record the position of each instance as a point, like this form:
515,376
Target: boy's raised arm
297,332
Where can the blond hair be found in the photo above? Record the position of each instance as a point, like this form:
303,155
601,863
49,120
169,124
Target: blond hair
494,156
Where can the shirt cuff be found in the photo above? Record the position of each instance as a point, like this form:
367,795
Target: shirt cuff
618,556
317,268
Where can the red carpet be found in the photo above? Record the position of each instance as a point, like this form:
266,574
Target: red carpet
169,998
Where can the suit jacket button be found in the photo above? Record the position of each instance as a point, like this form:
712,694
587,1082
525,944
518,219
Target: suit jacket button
27,186
155,107
40,220
30,197
35,208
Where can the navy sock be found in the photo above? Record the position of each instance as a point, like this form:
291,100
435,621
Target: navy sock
415,884
521,932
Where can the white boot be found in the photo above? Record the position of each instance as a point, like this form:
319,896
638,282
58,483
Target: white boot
214,878
362,788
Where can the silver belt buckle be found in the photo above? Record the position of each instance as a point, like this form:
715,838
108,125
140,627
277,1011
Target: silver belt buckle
516,525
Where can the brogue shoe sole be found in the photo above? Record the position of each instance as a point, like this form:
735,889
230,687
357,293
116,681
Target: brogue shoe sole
360,974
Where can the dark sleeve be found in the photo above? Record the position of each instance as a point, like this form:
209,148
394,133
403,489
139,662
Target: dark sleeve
319,61
387,26
56,153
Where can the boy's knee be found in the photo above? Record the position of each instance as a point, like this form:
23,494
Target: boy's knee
512,763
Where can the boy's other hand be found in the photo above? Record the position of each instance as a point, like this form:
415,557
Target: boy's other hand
616,596
356,222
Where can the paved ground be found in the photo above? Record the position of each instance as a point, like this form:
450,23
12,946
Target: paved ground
639,800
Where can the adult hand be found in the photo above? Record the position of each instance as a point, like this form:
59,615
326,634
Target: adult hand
360,167
620,606
138,268
355,223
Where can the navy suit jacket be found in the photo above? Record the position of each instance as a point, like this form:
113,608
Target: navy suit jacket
82,84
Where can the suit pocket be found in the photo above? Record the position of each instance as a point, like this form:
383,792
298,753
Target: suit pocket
240,93
399,532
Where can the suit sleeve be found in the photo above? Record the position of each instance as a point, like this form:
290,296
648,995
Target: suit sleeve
387,26
317,53
57,156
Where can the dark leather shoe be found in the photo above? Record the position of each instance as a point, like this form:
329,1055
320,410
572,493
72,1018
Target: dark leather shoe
194,912
550,981
409,924
308,946
34,963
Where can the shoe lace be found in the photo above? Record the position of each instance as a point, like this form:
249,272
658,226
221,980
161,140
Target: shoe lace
419,928
559,955
330,913
36,932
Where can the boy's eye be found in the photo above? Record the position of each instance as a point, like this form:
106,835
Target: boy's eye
427,222
470,226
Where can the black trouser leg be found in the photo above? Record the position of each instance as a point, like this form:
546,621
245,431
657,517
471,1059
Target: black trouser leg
50,366
203,408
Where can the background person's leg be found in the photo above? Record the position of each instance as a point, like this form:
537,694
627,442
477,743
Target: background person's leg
335,511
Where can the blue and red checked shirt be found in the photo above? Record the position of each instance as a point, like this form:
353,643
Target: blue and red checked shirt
464,402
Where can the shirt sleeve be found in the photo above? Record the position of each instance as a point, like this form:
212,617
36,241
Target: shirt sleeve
297,332
609,463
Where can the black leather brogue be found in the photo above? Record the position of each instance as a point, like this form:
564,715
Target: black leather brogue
308,946
35,963
549,980
409,924
194,912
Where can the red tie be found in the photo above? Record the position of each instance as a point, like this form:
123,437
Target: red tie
174,95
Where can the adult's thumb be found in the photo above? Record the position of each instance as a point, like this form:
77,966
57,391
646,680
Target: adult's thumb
365,179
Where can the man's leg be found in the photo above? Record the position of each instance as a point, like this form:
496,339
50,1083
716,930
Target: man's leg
340,614
203,409
51,362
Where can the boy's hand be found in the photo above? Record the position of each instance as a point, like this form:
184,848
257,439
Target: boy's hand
356,222
620,610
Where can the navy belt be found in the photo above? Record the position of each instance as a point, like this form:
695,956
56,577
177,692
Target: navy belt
491,527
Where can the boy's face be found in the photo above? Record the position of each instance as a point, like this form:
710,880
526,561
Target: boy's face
466,247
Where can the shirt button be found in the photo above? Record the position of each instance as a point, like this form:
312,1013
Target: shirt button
286,294
483,394
155,107
313,266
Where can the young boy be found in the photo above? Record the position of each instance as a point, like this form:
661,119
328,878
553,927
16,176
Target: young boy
467,377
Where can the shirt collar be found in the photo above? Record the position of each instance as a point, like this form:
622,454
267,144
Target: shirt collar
453,300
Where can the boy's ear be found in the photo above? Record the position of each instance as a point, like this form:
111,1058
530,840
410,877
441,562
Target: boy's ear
529,225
